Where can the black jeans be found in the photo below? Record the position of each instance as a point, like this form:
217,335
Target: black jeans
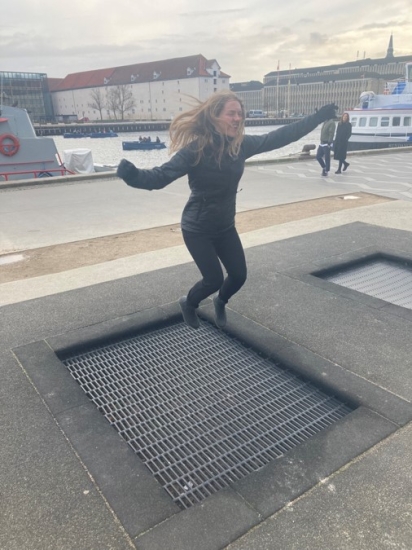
206,251
323,151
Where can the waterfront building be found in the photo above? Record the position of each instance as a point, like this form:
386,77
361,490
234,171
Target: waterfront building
28,91
251,94
297,92
157,90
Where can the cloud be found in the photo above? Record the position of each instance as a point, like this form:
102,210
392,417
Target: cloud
213,13
317,39
383,25
247,39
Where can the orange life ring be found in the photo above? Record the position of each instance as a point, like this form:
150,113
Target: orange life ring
9,145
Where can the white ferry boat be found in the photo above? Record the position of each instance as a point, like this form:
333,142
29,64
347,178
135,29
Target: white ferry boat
383,120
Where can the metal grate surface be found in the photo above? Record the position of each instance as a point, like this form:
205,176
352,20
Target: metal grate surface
382,279
200,409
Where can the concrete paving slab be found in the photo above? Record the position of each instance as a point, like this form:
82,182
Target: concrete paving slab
49,501
53,502
366,505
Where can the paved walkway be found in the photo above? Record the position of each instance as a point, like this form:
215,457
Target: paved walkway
49,498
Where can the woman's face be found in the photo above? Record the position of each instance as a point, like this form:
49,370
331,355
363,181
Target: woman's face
230,118
345,117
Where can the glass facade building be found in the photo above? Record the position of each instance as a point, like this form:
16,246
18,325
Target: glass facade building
28,91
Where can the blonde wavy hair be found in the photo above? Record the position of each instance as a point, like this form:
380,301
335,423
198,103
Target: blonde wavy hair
200,125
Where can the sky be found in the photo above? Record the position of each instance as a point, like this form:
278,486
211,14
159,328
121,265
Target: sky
248,38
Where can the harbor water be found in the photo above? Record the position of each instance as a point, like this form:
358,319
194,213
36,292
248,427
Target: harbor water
109,150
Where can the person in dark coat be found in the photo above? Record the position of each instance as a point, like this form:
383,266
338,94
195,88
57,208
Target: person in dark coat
340,146
326,139
211,149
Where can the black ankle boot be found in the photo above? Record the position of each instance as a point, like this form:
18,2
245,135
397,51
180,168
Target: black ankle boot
189,313
345,166
220,312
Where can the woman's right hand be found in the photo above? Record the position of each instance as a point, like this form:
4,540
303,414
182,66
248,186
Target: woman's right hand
126,169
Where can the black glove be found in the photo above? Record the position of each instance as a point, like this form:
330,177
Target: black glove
127,171
327,112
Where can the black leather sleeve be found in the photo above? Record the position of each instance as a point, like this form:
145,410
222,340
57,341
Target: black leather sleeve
158,177
254,145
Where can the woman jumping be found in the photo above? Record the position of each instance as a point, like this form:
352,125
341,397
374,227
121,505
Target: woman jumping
211,148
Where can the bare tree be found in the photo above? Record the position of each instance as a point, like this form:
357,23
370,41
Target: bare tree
98,101
126,101
112,101
120,100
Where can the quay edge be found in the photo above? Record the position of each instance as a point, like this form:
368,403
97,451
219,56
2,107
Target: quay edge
59,129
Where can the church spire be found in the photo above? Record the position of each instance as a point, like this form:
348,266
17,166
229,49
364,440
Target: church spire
389,53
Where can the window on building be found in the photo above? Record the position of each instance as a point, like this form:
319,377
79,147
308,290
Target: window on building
385,121
373,121
396,121
407,121
362,121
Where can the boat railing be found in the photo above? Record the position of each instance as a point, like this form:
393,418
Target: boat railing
45,173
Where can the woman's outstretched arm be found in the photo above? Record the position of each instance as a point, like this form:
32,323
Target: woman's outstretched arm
158,177
254,145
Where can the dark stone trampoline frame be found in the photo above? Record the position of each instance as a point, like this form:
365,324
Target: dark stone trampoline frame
144,509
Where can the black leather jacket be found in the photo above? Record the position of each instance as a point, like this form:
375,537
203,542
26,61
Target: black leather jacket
211,206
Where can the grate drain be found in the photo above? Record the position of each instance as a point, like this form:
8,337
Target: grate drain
199,408
384,279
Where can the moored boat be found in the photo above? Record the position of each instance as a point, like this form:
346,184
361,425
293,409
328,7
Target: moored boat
23,155
383,120
142,145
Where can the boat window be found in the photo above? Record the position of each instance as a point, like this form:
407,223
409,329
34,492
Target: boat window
373,121
407,121
354,120
396,121
362,121
385,121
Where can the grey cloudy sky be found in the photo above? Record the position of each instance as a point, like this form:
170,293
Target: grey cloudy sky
246,37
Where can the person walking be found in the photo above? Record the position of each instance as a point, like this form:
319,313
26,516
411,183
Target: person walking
211,148
326,139
340,146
